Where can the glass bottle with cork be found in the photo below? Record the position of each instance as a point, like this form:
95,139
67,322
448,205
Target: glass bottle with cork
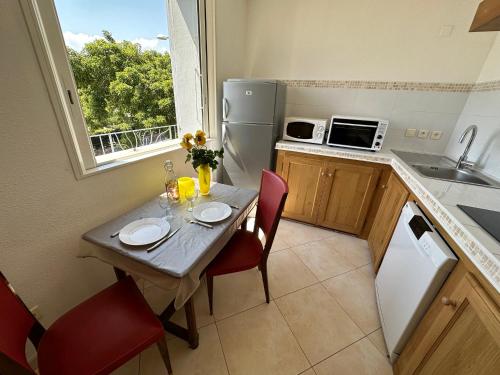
171,184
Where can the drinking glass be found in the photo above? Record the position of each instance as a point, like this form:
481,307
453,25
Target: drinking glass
164,202
191,196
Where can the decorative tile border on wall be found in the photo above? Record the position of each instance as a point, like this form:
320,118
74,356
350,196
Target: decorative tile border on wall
486,86
395,85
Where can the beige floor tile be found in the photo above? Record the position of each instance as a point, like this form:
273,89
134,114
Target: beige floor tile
237,292
207,359
361,358
377,339
294,233
318,322
308,372
258,341
322,259
158,299
287,273
129,368
355,250
355,291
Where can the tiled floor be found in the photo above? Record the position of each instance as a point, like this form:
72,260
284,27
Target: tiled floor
322,318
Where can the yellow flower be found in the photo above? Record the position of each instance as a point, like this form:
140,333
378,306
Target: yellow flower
186,141
187,145
200,138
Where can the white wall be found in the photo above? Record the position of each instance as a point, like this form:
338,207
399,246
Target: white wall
482,109
44,209
231,28
390,40
395,40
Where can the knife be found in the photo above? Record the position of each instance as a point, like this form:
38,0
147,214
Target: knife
201,223
151,248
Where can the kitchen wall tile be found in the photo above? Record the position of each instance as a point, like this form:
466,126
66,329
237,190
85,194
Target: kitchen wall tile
450,102
375,103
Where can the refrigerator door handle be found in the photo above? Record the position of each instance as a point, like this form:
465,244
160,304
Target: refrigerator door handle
225,108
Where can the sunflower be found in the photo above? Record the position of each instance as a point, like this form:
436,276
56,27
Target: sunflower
200,138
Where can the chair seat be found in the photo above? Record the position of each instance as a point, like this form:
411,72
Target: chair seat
101,334
242,252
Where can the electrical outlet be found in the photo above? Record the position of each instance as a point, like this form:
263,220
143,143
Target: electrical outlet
411,132
35,310
423,133
436,134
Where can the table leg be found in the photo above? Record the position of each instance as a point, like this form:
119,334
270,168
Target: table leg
120,274
191,333
244,224
193,336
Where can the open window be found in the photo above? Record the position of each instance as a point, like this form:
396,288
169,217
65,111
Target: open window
126,78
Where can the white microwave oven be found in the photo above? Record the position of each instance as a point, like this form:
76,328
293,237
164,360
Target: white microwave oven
360,133
307,130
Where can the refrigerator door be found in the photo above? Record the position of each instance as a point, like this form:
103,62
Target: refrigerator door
249,102
248,148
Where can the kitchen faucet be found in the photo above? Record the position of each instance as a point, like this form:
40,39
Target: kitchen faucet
462,160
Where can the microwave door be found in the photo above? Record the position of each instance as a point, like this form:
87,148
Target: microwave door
353,135
300,130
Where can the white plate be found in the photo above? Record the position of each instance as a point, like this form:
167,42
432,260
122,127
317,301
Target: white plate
144,231
211,212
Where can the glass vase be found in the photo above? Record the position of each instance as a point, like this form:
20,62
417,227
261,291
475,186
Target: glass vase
204,177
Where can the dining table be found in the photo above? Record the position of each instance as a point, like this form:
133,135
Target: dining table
179,263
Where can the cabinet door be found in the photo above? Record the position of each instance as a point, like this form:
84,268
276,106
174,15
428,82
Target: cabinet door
471,342
460,334
346,199
304,177
386,219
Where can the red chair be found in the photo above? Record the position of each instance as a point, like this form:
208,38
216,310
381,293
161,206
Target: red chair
95,337
244,250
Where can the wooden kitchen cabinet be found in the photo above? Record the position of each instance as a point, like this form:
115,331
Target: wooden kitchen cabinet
460,333
304,176
387,216
347,195
329,192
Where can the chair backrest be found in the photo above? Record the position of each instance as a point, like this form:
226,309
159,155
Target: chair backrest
272,197
17,324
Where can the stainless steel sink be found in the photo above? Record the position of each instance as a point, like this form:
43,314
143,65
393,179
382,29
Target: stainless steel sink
442,168
450,174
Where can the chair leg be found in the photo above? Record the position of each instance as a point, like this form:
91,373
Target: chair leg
263,270
162,347
210,288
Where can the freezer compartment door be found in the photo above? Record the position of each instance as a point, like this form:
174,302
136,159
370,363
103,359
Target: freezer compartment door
248,148
249,102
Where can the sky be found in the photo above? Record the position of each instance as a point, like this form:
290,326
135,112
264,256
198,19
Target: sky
139,21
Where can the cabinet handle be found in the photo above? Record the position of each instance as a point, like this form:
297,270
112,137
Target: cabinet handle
323,174
330,174
383,187
448,302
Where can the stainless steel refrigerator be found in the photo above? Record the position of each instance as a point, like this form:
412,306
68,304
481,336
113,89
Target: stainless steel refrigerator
252,119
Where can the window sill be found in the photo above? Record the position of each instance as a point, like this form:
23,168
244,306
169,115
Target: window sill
135,157
129,158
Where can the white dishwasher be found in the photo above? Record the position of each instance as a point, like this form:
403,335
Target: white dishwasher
415,266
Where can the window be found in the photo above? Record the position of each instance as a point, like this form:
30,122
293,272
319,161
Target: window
125,77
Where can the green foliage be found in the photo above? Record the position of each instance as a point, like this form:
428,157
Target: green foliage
202,155
122,87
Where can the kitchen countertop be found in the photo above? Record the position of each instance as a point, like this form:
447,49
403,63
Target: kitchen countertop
440,198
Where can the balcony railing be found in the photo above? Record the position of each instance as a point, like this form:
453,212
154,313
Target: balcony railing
109,143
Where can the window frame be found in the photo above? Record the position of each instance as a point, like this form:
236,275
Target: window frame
50,48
